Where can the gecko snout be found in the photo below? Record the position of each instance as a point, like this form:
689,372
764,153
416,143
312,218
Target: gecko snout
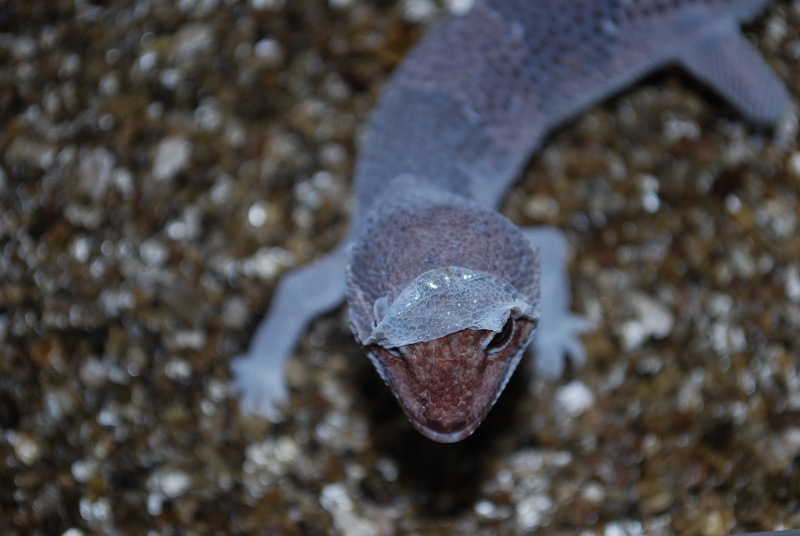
446,386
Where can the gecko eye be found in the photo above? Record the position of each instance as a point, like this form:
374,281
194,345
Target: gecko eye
499,341
394,352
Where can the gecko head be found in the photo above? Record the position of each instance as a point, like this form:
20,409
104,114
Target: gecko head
444,296
446,386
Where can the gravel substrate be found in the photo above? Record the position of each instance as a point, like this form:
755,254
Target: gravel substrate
162,163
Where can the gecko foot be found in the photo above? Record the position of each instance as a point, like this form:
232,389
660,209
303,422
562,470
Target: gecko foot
554,344
262,389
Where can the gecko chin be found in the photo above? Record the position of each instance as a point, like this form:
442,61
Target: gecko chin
447,386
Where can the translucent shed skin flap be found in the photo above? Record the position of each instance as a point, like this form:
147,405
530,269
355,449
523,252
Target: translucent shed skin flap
446,300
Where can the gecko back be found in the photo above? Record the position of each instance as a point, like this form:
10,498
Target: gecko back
471,103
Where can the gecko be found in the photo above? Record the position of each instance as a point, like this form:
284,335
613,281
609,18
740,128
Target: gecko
443,292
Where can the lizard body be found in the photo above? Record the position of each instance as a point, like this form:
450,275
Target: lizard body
445,293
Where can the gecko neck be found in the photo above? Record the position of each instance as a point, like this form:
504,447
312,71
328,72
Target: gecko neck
406,191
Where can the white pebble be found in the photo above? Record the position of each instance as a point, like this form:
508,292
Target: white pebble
172,157
574,398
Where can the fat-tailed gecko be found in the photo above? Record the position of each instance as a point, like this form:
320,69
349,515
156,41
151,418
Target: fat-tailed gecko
445,293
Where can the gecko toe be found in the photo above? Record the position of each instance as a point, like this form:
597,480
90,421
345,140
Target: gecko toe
262,391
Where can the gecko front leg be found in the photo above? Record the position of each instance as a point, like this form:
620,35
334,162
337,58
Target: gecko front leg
557,336
301,295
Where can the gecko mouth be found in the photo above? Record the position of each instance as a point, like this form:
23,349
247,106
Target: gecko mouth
448,432
447,386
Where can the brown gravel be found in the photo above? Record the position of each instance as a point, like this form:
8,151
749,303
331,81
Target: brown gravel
162,163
